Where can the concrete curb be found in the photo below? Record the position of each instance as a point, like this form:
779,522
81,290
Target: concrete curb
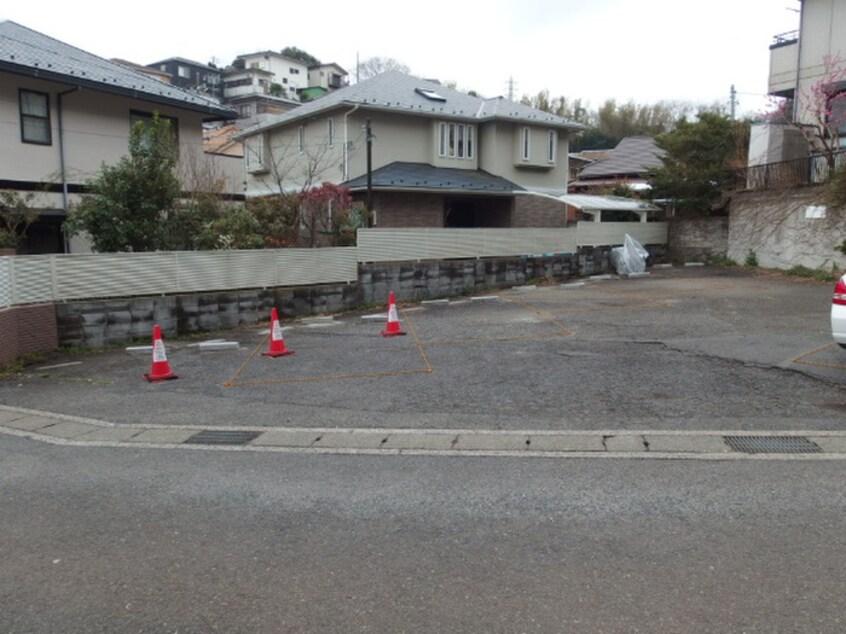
61,429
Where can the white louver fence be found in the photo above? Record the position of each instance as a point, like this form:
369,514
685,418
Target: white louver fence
44,278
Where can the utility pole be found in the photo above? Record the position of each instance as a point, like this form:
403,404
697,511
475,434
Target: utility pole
511,88
733,102
368,203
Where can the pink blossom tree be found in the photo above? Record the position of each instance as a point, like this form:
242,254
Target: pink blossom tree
823,110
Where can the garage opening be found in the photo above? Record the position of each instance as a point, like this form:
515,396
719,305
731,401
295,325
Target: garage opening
466,212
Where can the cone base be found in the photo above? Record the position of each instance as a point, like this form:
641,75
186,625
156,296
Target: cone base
273,355
397,333
158,379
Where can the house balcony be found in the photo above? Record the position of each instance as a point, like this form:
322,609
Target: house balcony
784,59
336,81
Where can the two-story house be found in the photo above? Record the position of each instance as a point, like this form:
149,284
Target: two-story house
438,157
327,76
290,74
65,112
799,60
192,75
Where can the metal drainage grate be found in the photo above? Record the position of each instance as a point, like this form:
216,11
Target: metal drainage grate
772,444
222,437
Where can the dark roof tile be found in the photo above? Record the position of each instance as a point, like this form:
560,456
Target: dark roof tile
29,52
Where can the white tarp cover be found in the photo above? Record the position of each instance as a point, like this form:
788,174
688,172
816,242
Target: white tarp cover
629,258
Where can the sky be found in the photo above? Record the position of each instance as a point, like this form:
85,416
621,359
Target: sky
645,51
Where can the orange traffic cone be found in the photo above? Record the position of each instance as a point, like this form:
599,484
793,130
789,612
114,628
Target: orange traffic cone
160,370
392,329
277,342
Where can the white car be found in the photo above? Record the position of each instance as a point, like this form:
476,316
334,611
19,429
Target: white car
838,313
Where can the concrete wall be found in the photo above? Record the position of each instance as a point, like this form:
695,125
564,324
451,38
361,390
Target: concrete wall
26,329
823,32
774,143
694,239
104,322
787,228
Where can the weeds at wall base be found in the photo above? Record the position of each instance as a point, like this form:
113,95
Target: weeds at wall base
19,365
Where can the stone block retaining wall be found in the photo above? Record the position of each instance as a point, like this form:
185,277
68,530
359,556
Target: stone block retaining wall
104,322
44,327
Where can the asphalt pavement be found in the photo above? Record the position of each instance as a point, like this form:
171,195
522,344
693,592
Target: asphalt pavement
660,454
682,350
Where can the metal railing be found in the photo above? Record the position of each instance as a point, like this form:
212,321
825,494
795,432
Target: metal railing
804,171
781,39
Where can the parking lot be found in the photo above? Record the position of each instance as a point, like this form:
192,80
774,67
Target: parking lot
681,349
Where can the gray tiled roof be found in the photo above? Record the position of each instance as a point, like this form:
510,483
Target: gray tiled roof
633,155
398,92
399,175
27,52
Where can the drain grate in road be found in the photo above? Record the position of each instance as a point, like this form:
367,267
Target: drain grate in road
772,444
222,437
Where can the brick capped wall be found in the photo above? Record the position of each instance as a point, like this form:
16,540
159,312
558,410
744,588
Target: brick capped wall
26,329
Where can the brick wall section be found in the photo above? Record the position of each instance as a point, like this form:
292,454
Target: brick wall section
408,210
25,329
538,211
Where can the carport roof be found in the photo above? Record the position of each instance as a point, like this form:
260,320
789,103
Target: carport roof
586,202
422,176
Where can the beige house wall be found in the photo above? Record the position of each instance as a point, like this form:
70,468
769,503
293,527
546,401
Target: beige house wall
282,161
395,137
500,145
96,131
783,61
823,34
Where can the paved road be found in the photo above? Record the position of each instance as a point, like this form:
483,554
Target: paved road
114,541
143,534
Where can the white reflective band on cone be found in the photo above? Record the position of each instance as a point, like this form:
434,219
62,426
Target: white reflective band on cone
159,352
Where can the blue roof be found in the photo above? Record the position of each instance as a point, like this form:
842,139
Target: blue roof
27,52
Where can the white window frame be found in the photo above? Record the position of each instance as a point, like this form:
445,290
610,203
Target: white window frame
254,151
330,132
456,140
301,139
552,147
183,71
526,144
